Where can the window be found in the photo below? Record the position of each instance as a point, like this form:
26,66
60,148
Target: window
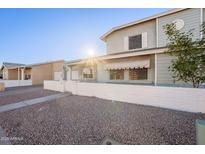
88,75
116,74
135,42
27,77
138,74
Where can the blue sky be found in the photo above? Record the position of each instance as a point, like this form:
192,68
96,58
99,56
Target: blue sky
37,35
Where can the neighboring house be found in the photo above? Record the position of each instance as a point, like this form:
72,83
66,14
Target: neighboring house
46,71
36,72
135,51
15,71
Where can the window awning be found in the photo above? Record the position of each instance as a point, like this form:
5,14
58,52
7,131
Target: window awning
145,63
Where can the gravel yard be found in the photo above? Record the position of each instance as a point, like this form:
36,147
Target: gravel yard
14,95
88,120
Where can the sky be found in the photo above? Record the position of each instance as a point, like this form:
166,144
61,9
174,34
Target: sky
38,35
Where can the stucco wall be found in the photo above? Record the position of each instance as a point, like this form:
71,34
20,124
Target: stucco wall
46,71
40,73
185,99
16,83
115,41
191,18
13,74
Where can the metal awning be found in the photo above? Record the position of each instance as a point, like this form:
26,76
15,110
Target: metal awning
145,63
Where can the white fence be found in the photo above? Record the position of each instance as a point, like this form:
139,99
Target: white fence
54,85
16,83
185,99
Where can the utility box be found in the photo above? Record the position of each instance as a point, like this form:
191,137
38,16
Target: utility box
200,132
2,87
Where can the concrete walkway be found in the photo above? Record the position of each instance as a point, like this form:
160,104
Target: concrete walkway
18,105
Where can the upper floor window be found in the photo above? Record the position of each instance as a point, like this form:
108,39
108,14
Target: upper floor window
135,42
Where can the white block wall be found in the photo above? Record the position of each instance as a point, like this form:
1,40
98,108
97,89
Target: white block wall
16,83
54,85
185,99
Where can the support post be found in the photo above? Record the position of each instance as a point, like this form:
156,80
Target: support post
22,74
155,69
18,73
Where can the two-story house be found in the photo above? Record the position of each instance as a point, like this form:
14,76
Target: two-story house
135,51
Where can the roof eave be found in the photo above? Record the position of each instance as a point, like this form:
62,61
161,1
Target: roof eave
103,37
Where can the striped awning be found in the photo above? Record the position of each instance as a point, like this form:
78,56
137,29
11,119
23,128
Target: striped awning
145,63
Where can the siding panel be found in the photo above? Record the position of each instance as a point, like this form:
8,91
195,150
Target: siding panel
191,18
115,41
163,75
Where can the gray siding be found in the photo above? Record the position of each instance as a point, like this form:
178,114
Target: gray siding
191,18
115,41
163,75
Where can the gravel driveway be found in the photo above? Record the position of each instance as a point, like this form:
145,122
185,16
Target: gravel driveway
14,95
88,120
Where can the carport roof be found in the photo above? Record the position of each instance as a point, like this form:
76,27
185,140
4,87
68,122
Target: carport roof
11,65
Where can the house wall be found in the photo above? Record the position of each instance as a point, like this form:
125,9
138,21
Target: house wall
42,72
28,71
104,75
191,18
163,74
12,74
115,41
57,67
77,72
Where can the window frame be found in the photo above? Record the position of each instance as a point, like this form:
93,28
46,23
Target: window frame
139,76
116,75
131,45
88,76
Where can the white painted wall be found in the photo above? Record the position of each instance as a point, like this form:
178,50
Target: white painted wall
185,99
16,83
54,85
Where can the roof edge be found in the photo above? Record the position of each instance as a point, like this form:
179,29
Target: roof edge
47,62
103,37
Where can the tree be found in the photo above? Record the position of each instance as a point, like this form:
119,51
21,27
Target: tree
189,62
